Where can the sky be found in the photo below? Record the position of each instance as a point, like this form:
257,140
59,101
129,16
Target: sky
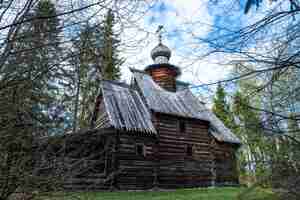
188,27
186,24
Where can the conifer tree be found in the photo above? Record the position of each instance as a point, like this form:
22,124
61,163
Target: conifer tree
88,73
36,59
30,72
111,60
98,47
221,107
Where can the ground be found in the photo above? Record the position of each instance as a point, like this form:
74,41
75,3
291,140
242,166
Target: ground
227,193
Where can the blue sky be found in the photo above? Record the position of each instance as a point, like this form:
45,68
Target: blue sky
187,23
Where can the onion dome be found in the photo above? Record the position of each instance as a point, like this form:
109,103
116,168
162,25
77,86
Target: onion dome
161,54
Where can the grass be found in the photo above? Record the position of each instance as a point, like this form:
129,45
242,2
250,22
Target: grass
226,193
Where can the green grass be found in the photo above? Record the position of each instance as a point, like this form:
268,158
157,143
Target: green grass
226,193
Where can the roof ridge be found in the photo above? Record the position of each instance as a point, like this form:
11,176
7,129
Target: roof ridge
137,70
121,84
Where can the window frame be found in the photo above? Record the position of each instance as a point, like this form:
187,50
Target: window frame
189,150
143,153
182,126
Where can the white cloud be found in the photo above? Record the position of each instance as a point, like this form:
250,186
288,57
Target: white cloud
183,18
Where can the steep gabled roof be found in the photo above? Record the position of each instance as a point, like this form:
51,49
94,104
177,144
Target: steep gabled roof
182,103
129,109
125,108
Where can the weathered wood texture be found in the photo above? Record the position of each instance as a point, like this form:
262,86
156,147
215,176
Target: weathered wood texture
165,77
84,160
124,108
226,164
176,167
135,171
100,161
94,163
102,120
183,104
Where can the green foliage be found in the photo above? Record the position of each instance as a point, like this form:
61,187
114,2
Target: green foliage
246,124
47,28
98,59
221,107
269,140
258,146
27,91
111,60
35,60
250,131
88,73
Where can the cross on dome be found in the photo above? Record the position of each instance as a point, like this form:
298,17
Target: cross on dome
161,53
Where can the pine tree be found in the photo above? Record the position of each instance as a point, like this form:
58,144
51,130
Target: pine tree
27,77
46,35
99,59
111,60
36,60
221,107
88,73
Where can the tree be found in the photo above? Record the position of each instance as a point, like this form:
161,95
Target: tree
266,48
27,91
249,129
238,116
221,107
40,53
99,59
111,60
88,74
35,75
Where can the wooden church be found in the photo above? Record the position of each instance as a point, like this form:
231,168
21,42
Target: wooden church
161,135
153,133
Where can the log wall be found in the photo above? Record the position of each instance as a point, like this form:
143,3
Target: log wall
108,159
164,77
226,164
89,162
81,161
135,171
167,163
176,167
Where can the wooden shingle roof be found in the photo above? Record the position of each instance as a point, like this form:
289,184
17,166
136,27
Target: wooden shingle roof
125,108
130,108
182,103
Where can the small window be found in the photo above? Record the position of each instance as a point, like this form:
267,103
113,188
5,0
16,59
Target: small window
189,150
140,150
182,127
